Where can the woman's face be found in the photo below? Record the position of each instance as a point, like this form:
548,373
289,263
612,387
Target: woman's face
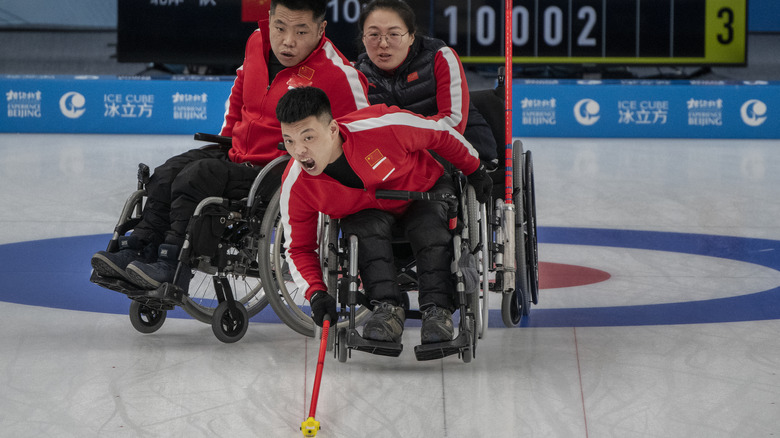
386,38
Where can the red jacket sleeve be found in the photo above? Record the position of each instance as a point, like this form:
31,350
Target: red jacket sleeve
300,234
419,133
349,92
452,91
236,101
453,147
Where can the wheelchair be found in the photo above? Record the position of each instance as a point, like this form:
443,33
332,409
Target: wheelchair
502,239
502,236
226,288
517,300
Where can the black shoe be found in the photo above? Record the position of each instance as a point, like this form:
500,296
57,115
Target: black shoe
114,264
386,324
436,324
151,275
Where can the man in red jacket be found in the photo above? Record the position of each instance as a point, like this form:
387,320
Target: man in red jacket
336,168
288,50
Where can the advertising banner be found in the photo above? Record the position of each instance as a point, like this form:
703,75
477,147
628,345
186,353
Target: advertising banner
114,105
540,108
646,109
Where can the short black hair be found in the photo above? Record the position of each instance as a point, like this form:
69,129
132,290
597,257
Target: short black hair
300,103
317,7
399,7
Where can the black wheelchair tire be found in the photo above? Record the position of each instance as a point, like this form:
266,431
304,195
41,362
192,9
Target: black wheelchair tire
516,304
532,253
229,326
146,319
342,351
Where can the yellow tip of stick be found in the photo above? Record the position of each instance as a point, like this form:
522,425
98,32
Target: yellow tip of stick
310,427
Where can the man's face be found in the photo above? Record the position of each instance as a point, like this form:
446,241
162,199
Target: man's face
294,34
312,142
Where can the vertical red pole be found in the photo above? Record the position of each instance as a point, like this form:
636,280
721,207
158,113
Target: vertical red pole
508,177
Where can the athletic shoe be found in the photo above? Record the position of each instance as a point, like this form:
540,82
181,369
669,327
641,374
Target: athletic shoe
114,264
436,324
151,275
386,324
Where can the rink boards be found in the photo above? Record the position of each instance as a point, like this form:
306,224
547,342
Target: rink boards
540,108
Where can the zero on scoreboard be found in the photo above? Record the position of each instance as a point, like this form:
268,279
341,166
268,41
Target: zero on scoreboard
598,31
693,32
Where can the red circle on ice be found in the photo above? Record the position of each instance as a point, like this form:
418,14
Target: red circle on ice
554,275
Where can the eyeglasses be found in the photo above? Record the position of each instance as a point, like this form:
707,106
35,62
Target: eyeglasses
393,38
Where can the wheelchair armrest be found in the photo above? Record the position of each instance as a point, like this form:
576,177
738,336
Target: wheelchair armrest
404,195
273,169
143,175
219,139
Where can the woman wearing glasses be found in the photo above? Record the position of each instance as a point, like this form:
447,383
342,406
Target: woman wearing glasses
418,73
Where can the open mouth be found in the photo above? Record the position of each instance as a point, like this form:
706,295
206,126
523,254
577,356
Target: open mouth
308,163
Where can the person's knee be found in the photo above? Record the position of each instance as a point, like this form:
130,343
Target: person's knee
201,176
369,224
428,223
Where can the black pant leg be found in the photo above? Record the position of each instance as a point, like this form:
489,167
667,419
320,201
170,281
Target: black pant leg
199,180
375,253
427,229
155,219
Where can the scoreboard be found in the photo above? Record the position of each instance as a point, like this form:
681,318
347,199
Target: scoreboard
623,32
604,31
711,32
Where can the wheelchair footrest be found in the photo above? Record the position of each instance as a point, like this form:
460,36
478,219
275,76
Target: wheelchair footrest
117,285
166,294
357,342
439,350
153,303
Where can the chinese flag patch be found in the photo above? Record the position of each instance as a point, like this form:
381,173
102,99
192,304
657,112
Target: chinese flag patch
412,77
306,72
380,164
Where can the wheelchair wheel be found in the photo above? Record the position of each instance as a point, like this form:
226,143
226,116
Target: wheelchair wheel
284,295
473,226
532,254
469,353
517,304
472,217
477,226
146,319
332,266
341,341
229,326
202,300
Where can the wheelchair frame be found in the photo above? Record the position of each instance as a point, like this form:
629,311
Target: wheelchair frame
233,293
467,302
504,239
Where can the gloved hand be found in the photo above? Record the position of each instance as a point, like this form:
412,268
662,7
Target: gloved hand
483,185
322,304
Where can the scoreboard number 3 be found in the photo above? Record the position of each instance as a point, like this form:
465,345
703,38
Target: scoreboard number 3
727,15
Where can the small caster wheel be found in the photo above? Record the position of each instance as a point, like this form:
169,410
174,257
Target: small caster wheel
341,341
229,326
466,354
146,319
514,307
